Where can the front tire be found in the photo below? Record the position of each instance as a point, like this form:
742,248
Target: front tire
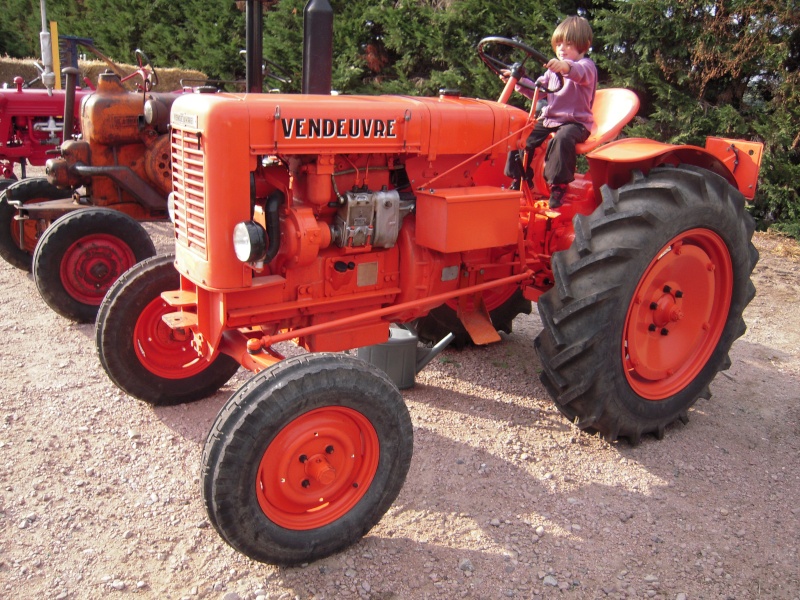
306,457
27,191
140,353
647,302
82,254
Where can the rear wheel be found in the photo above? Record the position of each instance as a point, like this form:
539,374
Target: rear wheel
306,457
141,354
647,302
27,191
81,254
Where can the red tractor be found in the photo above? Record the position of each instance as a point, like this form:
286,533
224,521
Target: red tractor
325,219
31,119
80,228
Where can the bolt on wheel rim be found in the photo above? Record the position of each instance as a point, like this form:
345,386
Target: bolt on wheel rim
317,468
677,314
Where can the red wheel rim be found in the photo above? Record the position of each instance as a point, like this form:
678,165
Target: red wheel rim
677,314
92,264
164,351
317,468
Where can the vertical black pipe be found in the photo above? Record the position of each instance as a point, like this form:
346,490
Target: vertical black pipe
317,47
71,74
254,45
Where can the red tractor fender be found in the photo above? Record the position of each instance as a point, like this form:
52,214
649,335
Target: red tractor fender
736,160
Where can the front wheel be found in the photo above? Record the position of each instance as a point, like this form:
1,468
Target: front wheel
647,302
306,457
81,254
140,353
18,239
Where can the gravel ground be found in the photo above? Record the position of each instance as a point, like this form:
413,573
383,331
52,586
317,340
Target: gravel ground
99,493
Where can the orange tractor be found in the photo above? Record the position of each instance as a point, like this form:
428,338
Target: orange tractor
325,219
80,228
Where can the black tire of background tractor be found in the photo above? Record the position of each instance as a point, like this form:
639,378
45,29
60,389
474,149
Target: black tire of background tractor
116,346
29,191
103,243
444,319
4,183
584,315
275,402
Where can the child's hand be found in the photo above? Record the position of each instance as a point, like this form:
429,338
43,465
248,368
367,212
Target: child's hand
504,75
558,66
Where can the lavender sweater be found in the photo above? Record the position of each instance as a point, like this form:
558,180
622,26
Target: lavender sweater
573,103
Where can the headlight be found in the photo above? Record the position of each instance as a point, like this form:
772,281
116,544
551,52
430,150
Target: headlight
249,241
171,207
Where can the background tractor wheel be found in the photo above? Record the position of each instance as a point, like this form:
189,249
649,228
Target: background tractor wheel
81,254
503,305
647,302
306,457
28,191
140,353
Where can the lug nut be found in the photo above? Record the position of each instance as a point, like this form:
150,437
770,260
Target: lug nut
303,458
653,306
305,483
665,331
651,327
329,449
667,289
679,294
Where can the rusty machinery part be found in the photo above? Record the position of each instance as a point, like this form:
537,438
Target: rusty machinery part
140,353
157,164
306,458
81,254
18,237
497,52
647,302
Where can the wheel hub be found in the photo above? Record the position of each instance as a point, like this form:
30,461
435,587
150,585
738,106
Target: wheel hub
317,468
92,264
677,314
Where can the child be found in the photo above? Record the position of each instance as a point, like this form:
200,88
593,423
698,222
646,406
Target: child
568,113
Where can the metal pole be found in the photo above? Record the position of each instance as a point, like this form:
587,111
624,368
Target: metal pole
254,30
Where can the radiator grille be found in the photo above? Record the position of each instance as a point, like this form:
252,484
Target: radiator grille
189,192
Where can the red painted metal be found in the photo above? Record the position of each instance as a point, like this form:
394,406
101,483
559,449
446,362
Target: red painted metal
677,314
163,351
92,264
317,468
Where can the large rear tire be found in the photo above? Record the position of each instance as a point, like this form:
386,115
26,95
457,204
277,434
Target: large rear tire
27,191
82,254
140,353
647,302
306,457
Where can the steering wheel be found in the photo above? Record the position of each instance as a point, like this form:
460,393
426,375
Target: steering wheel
498,65
277,72
149,78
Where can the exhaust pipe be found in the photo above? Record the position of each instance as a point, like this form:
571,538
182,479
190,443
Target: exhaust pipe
317,47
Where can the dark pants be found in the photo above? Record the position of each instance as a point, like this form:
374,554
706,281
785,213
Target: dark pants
560,160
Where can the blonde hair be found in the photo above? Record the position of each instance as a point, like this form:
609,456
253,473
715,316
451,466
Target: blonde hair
575,30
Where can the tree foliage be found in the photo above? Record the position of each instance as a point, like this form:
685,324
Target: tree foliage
701,67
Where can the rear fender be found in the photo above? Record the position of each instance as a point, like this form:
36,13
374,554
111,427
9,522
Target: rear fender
737,161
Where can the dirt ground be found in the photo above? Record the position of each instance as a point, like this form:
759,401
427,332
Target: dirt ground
99,493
